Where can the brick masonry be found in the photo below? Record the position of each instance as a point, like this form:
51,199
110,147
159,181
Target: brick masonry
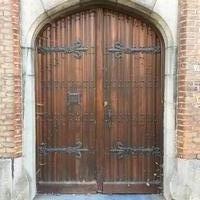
10,80
185,174
188,112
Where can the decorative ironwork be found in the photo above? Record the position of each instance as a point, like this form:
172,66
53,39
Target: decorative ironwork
121,151
74,150
131,84
60,118
74,98
76,49
119,49
129,117
68,84
81,84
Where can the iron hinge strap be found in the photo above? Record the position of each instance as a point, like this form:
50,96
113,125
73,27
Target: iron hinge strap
121,151
119,48
76,49
73,150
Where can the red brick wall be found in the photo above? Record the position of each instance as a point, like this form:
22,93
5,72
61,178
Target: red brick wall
10,80
188,113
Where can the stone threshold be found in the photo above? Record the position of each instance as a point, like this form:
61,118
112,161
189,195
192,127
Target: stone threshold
98,197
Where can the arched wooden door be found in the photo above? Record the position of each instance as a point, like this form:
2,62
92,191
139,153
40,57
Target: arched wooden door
99,104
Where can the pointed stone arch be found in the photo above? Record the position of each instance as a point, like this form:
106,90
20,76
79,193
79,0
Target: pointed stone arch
49,10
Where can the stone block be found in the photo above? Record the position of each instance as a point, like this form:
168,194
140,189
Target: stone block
185,182
6,179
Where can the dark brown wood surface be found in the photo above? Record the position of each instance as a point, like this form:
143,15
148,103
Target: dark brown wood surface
99,104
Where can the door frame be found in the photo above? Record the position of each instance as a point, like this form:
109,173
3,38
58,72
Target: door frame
28,63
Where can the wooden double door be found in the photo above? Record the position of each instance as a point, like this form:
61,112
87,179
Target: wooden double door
99,104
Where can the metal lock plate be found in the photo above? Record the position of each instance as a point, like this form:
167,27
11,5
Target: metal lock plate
74,98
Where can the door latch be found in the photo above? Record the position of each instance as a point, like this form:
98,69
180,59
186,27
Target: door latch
108,117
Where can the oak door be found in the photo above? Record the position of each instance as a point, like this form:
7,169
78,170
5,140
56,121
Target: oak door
99,104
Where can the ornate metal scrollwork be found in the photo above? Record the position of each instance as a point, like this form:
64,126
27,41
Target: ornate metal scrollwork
76,49
121,151
74,98
119,49
73,150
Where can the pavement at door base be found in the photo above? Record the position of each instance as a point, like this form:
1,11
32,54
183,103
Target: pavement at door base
98,197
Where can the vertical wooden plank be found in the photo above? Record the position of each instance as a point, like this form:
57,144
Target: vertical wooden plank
134,100
145,100
120,94
39,109
53,96
87,89
83,25
67,63
71,75
49,131
90,38
107,166
159,63
150,104
139,102
99,99
128,98
114,71
63,96
60,140
93,74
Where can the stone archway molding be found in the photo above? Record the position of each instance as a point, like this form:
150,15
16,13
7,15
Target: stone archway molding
35,14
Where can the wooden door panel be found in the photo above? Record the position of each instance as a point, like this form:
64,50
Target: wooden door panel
99,109
133,99
65,87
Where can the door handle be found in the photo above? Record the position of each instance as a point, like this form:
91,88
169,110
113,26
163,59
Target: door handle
108,117
109,112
